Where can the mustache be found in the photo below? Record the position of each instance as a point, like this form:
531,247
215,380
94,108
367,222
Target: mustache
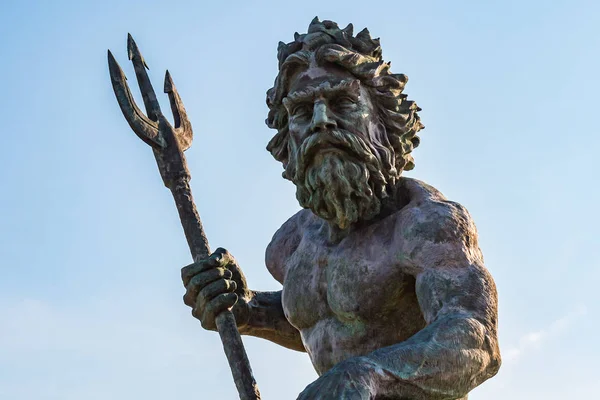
340,140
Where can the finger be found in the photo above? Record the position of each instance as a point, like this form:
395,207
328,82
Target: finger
219,304
202,280
208,293
222,257
189,271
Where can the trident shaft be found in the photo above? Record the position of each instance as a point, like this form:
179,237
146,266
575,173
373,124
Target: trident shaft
168,143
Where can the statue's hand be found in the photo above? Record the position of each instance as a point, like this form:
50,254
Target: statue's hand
214,285
350,379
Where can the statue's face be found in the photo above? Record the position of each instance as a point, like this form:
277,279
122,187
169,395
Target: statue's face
334,146
323,99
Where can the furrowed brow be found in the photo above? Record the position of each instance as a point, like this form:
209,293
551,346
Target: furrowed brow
348,86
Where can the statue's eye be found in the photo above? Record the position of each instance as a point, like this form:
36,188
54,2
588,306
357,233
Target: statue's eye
301,110
344,101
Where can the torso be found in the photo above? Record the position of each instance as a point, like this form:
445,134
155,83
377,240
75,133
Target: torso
353,296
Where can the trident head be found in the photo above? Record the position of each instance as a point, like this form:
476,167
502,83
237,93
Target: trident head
168,142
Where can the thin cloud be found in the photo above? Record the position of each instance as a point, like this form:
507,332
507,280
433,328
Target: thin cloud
535,339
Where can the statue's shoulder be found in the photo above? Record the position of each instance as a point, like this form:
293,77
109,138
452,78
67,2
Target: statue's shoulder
428,215
418,193
285,242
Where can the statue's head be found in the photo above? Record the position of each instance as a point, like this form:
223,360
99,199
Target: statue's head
345,131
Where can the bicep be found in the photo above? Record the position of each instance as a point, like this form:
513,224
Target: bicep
463,290
448,265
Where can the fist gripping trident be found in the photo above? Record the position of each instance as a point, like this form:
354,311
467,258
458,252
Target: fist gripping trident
168,143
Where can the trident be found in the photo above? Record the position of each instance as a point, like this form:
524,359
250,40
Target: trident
168,144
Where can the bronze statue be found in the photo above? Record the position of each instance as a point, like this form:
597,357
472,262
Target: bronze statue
384,284
383,281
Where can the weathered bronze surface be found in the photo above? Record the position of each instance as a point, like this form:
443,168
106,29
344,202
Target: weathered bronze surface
384,285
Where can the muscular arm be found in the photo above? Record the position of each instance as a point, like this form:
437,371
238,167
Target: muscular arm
458,348
268,321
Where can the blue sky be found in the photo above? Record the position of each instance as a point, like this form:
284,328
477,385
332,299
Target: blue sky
90,242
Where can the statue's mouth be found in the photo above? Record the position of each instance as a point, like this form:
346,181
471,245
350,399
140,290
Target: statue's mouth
333,148
327,146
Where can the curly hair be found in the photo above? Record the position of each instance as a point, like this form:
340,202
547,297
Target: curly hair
324,43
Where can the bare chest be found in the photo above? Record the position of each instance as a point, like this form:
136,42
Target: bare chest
360,279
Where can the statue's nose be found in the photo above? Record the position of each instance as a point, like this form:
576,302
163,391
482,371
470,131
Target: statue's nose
322,120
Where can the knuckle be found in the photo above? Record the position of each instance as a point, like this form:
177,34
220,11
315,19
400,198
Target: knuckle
187,301
188,267
185,273
226,284
221,251
217,255
222,256
194,281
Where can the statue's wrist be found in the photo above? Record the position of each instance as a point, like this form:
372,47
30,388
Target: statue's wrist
365,370
244,313
259,311
383,380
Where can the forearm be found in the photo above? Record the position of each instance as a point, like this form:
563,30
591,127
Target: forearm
445,360
267,320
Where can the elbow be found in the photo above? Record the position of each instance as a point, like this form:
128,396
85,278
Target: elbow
478,356
488,345
477,365
495,360
489,357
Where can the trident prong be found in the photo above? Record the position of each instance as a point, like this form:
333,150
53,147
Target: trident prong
140,67
146,129
183,127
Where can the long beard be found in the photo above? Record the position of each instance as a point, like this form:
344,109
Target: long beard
340,177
